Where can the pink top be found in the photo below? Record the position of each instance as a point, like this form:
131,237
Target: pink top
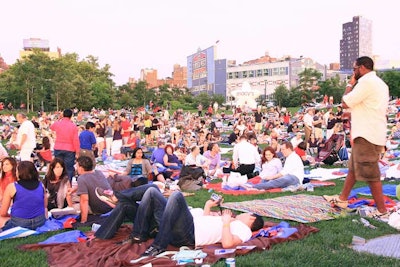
66,135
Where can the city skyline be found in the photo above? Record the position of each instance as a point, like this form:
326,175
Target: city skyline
132,36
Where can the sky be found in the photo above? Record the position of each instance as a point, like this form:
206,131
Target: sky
131,35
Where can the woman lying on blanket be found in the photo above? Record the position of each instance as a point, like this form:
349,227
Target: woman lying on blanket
29,200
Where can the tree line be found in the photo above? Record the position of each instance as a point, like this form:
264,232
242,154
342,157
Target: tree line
41,83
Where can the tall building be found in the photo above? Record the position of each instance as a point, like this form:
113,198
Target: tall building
356,41
41,44
150,77
205,73
178,80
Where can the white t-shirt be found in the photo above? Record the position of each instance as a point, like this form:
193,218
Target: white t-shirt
208,229
294,166
27,128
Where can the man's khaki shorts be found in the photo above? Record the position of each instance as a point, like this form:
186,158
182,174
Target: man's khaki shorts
364,160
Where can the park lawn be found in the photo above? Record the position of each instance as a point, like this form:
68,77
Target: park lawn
328,247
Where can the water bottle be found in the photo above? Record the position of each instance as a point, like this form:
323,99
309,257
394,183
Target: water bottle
104,155
74,183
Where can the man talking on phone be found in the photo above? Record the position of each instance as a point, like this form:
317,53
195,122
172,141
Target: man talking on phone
367,96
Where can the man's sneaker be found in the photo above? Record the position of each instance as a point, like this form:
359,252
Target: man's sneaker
335,201
106,196
152,251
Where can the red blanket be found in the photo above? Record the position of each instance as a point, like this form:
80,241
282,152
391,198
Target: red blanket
107,253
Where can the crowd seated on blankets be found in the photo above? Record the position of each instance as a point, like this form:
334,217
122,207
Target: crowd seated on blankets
194,146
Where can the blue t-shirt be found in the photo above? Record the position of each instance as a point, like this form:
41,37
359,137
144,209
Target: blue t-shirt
158,155
87,139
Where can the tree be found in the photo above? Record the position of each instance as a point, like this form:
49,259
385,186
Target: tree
392,79
333,87
308,83
282,95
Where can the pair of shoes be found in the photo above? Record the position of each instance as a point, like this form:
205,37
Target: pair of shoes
335,201
152,251
137,239
106,195
380,216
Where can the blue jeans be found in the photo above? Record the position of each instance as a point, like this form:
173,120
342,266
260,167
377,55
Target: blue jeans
125,210
281,182
176,226
25,223
69,159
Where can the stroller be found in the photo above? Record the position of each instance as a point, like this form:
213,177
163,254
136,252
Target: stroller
334,146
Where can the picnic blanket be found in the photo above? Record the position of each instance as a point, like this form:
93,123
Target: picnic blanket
387,246
388,190
104,253
300,208
242,191
323,174
51,224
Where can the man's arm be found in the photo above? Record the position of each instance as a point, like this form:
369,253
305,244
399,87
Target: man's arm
84,203
23,140
228,239
349,88
207,207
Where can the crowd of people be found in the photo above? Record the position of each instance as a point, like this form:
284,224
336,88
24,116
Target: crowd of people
158,146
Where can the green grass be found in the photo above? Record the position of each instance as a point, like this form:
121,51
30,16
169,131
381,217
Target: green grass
328,247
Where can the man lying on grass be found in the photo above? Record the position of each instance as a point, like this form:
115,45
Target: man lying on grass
180,226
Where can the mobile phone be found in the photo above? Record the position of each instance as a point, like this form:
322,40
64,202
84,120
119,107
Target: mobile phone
217,198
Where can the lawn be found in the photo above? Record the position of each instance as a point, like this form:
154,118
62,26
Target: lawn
328,247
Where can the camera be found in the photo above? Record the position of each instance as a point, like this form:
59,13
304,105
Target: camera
217,198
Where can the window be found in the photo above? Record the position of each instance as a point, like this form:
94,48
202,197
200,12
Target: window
259,73
244,74
275,71
251,73
266,72
236,75
230,75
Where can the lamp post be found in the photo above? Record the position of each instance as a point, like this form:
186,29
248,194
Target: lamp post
265,91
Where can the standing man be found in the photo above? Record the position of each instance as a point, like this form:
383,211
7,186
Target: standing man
26,137
126,128
308,121
87,141
66,145
367,96
258,116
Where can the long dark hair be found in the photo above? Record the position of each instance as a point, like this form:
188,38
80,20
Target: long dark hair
13,162
27,171
136,150
270,149
50,172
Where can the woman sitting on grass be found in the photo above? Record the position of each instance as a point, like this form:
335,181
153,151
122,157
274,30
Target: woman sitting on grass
171,161
271,164
57,185
8,174
29,200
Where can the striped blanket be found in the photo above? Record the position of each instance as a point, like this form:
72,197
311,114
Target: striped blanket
300,208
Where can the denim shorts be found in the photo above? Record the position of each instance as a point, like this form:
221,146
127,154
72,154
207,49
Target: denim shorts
25,223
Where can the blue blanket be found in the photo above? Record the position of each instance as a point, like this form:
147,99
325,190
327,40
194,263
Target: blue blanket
388,190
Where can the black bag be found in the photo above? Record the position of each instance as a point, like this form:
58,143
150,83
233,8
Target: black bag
332,158
191,178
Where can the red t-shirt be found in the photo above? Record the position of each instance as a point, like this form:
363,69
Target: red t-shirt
126,127
300,152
